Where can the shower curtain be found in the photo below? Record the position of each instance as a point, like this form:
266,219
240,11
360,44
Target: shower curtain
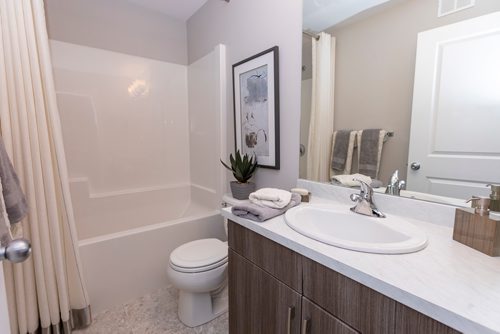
321,123
47,293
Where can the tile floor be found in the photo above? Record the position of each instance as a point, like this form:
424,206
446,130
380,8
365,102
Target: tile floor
155,313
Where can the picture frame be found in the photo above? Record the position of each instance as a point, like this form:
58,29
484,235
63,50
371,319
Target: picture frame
256,107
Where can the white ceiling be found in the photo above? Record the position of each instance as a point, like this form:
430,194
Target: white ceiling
179,9
322,14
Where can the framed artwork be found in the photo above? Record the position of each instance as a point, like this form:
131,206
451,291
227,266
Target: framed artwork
256,107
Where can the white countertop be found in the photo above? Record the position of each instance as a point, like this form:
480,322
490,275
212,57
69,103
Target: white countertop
447,281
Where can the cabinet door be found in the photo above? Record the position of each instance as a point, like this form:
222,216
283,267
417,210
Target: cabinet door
277,260
259,303
409,321
317,321
355,304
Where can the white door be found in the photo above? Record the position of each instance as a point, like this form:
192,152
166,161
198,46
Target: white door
4,315
455,124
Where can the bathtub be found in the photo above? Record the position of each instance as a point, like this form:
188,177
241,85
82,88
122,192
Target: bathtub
125,238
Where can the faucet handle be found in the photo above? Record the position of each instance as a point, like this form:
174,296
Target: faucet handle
365,187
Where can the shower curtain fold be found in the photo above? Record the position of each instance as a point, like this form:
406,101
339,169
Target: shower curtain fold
47,293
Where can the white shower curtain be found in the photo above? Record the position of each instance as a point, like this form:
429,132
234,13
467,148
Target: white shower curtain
321,123
47,292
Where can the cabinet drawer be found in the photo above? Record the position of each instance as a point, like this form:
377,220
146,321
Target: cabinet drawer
279,261
258,302
355,304
413,322
316,321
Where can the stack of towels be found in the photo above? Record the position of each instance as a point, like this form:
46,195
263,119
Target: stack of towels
266,203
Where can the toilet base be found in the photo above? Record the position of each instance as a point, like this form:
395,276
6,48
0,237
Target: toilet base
196,309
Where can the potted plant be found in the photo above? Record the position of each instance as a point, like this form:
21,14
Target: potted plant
242,169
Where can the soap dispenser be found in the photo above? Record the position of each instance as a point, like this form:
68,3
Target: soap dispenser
494,197
474,227
480,205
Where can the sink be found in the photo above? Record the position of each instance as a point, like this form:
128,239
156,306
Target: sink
345,229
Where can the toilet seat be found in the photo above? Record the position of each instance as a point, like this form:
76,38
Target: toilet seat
199,255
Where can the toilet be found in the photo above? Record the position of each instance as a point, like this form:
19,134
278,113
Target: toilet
198,269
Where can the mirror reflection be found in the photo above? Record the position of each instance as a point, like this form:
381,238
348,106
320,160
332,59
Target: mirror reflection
403,92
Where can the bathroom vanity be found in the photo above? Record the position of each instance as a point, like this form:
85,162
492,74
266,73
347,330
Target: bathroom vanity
281,281
276,290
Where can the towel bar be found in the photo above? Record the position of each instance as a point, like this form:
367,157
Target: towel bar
388,135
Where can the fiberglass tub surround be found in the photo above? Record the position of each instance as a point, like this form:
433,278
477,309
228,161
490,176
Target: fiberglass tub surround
142,162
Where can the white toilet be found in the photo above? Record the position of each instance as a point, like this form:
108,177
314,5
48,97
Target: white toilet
198,269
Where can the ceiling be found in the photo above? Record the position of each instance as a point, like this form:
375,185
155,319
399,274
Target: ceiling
179,9
322,14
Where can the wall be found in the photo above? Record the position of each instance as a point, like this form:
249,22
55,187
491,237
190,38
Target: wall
305,118
246,28
376,61
124,118
118,25
204,120
306,57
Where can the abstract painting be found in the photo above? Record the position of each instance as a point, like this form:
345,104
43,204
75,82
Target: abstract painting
256,107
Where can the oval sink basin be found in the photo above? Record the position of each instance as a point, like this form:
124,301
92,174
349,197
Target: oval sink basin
390,235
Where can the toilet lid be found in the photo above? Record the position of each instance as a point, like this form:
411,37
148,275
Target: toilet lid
199,253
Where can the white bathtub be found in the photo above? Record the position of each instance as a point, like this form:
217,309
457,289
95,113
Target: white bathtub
125,249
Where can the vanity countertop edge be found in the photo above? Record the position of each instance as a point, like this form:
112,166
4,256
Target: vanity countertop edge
435,281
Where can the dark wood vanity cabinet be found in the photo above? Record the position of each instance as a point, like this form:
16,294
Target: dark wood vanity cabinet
315,320
260,303
275,290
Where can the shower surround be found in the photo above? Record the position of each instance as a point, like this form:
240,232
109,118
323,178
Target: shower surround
142,139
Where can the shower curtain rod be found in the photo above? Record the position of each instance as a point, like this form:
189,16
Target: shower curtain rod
312,35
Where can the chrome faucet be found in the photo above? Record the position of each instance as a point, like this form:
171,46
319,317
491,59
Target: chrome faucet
364,201
395,184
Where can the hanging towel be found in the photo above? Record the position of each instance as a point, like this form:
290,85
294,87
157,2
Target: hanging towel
342,150
348,179
5,232
370,142
15,202
261,213
271,198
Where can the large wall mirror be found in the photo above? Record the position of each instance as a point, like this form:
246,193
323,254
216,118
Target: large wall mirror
419,78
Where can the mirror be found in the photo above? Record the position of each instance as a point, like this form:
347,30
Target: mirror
385,75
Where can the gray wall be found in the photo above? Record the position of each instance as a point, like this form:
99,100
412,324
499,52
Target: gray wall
246,28
375,64
118,25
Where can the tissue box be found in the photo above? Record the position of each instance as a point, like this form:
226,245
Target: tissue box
478,232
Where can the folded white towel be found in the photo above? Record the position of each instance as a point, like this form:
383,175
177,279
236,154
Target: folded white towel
348,180
271,197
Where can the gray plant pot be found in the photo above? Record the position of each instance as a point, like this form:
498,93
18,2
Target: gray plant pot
242,190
